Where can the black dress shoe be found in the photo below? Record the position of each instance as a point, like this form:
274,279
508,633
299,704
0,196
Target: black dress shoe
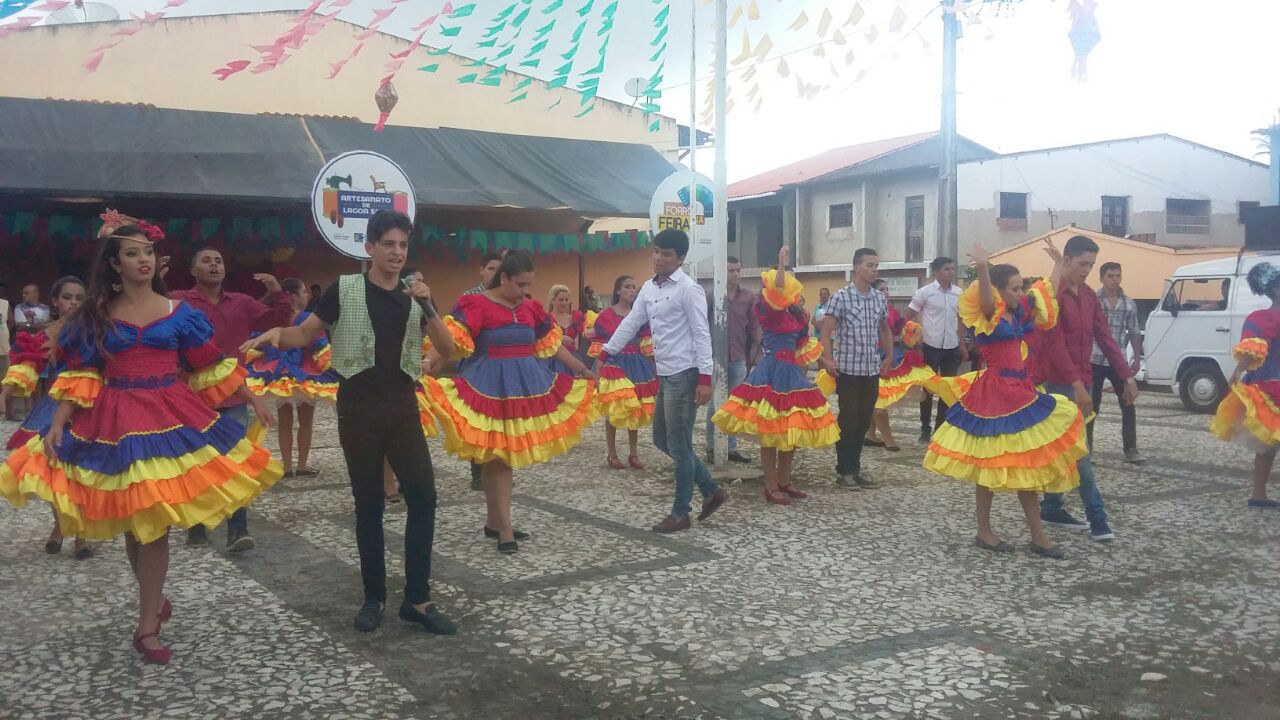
509,548
738,457
519,534
433,621
370,616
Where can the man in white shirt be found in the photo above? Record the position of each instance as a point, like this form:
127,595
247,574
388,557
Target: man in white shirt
938,307
675,307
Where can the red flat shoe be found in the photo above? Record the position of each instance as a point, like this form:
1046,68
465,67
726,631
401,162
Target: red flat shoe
615,463
166,611
152,656
635,463
797,494
776,497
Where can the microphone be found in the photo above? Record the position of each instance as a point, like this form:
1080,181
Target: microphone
427,310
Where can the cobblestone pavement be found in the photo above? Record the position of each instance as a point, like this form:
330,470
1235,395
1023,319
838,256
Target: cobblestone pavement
869,604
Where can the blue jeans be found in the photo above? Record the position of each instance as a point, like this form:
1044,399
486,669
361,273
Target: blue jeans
737,373
239,413
673,420
1089,494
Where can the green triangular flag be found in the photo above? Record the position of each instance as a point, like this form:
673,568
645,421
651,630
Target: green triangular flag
453,31
552,7
430,68
463,11
523,84
585,9
584,112
518,98
468,78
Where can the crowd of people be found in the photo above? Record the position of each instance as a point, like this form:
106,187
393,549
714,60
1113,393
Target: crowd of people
142,421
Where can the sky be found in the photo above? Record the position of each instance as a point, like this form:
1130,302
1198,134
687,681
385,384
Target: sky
1192,68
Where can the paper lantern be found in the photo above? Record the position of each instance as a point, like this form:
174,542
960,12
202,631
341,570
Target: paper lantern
386,98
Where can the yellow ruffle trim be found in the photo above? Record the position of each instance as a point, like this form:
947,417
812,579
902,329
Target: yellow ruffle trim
951,389
548,345
809,352
463,343
1039,458
799,428
78,386
617,401
780,298
825,382
646,346
1254,348
22,378
594,350
323,358
1045,303
1247,408
970,307
219,382
519,442
229,482
911,332
589,322
425,415
893,390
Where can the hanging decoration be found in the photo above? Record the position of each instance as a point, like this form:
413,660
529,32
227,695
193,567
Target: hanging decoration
386,99
97,54
1084,35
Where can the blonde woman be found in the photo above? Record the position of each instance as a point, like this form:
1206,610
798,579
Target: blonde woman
572,323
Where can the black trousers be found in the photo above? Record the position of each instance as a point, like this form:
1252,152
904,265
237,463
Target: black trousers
857,397
366,442
947,364
1128,413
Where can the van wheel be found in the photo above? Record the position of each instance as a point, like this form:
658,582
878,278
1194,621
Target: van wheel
1202,387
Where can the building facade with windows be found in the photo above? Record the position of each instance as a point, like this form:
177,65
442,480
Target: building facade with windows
1156,189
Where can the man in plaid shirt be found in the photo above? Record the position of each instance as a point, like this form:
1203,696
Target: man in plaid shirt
1122,317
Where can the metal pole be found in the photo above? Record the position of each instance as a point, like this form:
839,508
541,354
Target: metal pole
693,123
1273,133
720,246
948,235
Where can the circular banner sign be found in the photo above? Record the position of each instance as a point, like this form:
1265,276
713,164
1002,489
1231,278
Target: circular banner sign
675,206
349,190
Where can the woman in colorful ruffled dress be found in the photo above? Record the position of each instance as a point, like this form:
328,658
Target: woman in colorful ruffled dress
294,377
627,392
1003,435
1251,411
574,324
777,403
145,450
506,409
909,372
32,361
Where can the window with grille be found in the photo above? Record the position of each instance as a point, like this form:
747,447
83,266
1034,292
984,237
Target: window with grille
840,215
1186,217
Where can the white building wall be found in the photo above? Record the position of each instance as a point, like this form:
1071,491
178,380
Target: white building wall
1066,186
880,222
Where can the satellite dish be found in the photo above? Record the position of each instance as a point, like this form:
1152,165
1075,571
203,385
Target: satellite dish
635,88
85,12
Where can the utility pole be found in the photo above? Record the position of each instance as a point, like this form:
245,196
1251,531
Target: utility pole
720,246
948,198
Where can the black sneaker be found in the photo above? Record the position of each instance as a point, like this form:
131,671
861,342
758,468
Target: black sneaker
737,457
433,621
848,482
239,540
865,482
519,534
197,536
1101,532
926,436
1062,518
370,616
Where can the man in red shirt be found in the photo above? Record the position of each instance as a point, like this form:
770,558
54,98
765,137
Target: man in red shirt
235,316
1063,365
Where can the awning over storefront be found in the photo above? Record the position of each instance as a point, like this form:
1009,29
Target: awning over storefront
57,148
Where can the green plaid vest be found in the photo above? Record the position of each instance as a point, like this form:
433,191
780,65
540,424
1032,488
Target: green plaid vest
352,336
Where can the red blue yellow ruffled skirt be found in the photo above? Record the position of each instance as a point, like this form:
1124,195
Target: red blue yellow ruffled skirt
627,392
909,373
288,377
514,410
1032,444
142,459
1250,412
777,404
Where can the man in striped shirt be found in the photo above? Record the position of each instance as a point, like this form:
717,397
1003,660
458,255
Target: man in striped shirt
1122,318
859,317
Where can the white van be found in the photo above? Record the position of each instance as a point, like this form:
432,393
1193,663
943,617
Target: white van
1190,334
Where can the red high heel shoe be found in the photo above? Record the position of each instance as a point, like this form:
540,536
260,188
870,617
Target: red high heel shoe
776,497
615,463
152,656
635,463
797,494
166,611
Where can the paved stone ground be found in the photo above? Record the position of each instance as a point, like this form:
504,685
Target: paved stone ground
850,605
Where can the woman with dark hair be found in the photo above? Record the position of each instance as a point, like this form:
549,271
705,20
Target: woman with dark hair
1003,435
506,409
777,403
1248,411
145,449
34,362
628,387
294,377
909,371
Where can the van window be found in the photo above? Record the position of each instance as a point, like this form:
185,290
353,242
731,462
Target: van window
1197,295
